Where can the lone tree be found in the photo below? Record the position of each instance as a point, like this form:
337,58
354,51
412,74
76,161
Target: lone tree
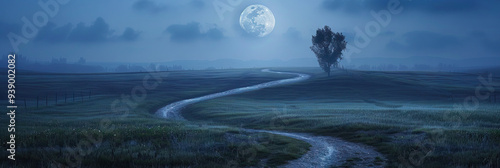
328,47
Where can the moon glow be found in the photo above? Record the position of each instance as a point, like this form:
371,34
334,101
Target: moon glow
257,20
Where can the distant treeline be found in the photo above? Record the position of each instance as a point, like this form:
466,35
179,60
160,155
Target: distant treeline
55,66
151,67
401,67
61,65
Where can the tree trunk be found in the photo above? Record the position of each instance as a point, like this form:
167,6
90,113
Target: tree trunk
329,70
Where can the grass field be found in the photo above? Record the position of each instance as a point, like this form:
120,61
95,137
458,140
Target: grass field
415,118
91,133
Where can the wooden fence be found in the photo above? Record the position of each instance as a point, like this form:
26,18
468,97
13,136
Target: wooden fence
55,99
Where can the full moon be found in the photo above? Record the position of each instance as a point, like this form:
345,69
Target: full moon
257,20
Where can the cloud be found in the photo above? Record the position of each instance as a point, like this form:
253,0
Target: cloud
445,6
130,34
149,6
191,32
98,31
424,41
429,6
52,33
214,34
353,6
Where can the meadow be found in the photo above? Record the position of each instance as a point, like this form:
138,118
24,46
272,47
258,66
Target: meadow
88,132
416,119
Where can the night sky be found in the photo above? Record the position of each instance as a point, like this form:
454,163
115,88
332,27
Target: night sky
158,31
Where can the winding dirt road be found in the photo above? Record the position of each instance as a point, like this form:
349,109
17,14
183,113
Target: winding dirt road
324,151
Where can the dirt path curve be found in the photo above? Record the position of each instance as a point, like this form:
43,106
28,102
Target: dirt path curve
324,152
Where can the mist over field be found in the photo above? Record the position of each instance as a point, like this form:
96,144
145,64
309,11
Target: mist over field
254,83
415,34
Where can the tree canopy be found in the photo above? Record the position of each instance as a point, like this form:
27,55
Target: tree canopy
328,47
